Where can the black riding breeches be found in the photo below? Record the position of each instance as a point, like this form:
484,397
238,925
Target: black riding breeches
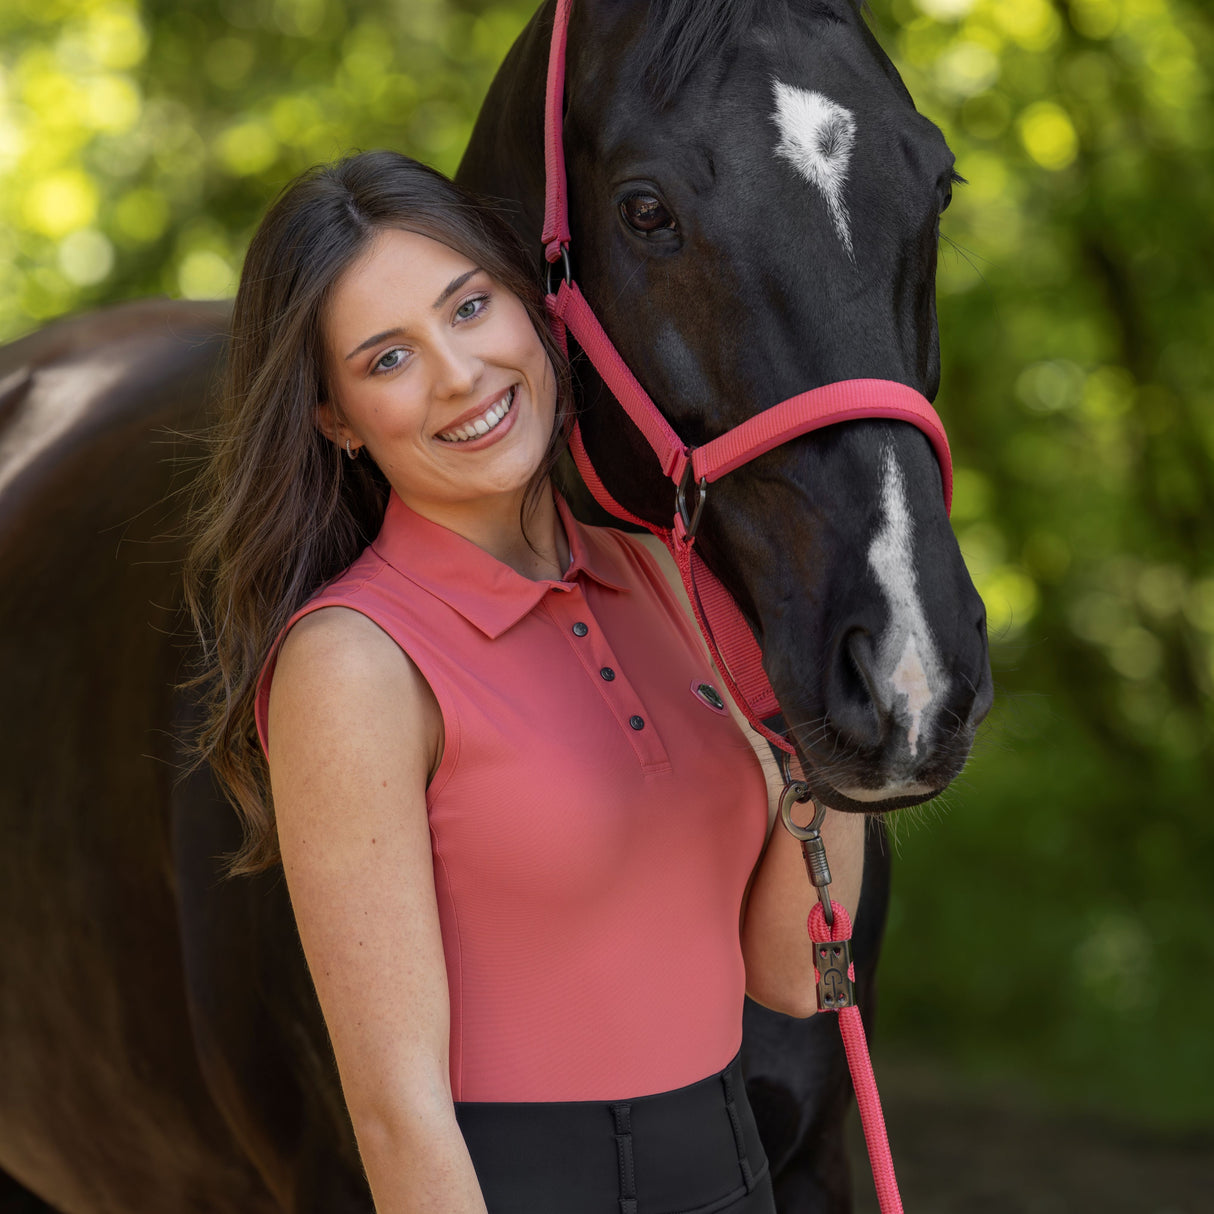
694,1150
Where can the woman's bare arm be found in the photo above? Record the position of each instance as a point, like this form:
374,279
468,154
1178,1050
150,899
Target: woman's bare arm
775,943
354,733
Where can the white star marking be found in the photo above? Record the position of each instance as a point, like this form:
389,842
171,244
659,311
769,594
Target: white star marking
816,137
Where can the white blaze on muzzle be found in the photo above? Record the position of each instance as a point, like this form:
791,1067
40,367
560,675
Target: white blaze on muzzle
908,671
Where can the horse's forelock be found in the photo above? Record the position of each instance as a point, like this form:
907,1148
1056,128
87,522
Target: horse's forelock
683,33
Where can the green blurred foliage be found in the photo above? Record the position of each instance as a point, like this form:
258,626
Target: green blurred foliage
140,140
1053,920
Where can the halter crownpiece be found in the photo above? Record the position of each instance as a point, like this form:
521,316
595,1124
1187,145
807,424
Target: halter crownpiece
693,469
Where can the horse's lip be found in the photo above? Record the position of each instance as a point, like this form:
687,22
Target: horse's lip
836,800
831,797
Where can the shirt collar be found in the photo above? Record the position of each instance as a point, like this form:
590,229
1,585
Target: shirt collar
481,588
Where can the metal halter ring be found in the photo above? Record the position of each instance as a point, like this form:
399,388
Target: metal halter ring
568,270
691,519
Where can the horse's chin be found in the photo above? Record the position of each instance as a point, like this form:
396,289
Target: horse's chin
833,799
852,799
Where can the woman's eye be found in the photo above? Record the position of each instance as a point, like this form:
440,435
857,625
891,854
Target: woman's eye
389,360
645,213
470,308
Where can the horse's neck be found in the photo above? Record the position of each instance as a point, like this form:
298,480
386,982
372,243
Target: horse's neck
505,154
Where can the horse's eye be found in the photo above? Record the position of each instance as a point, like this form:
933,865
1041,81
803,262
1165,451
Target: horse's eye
644,213
946,189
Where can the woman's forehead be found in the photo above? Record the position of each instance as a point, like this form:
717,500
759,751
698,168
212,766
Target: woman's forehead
401,277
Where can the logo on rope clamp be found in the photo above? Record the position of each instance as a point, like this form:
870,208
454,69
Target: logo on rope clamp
832,961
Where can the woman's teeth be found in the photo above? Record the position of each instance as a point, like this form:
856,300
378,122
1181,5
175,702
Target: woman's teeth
483,424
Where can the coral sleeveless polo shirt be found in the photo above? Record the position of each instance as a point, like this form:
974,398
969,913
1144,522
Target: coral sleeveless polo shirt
594,820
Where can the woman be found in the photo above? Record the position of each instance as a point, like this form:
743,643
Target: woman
517,830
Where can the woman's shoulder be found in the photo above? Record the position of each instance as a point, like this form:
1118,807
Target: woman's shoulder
333,638
334,649
338,666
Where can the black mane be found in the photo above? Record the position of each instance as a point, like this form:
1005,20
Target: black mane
683,33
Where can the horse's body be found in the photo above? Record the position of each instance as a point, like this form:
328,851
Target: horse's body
160,1044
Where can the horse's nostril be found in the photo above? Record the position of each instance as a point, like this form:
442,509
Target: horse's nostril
852,704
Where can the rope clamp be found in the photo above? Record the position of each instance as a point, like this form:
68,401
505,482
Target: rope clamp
832,964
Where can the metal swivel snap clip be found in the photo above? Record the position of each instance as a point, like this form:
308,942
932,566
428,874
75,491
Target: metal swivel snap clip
813,850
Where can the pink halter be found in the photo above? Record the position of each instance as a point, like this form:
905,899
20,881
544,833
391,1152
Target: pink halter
737,652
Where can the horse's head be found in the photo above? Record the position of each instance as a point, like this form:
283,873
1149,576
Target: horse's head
754,208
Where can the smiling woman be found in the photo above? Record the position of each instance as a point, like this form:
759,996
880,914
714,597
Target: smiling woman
535,1002
453,394
266,541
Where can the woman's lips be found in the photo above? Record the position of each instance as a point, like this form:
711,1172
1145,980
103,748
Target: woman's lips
484,422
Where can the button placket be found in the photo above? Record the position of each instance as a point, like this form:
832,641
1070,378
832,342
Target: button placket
572,613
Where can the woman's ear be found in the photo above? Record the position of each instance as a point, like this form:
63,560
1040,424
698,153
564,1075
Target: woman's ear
330,424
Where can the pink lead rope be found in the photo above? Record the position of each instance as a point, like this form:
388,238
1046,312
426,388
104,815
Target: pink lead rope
737,653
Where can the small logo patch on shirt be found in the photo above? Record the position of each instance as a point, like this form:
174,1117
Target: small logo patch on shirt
706,693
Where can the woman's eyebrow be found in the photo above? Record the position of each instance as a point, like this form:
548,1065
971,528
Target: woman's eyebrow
453,286
373,340
449,290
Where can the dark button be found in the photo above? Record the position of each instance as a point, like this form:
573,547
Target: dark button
637,722
580,629
607,673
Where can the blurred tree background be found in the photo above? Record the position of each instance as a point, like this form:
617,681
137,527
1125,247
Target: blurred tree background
1053,920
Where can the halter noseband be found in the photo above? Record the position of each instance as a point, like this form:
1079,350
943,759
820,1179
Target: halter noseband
693,469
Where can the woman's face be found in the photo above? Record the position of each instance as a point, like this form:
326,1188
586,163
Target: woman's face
438,371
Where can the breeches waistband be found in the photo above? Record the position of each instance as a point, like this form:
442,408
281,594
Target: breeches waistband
694,1150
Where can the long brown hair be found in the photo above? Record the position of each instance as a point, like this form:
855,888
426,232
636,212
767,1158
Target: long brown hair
279,510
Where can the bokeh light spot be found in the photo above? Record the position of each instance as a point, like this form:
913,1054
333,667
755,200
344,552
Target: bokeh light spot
114,103
1011,599
246,149
944,10
1032,24
299,18
1050,387
1095,18
1136,653
204,274
142,214
115,36
966,68
61,203
86,257
1048,135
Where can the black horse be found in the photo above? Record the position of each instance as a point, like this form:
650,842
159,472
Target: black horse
755,205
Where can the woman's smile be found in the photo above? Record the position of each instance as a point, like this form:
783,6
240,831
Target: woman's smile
480,422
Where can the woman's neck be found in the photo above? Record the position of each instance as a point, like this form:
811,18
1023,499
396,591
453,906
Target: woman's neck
533,543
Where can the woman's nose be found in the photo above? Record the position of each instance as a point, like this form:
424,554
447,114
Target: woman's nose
456,369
